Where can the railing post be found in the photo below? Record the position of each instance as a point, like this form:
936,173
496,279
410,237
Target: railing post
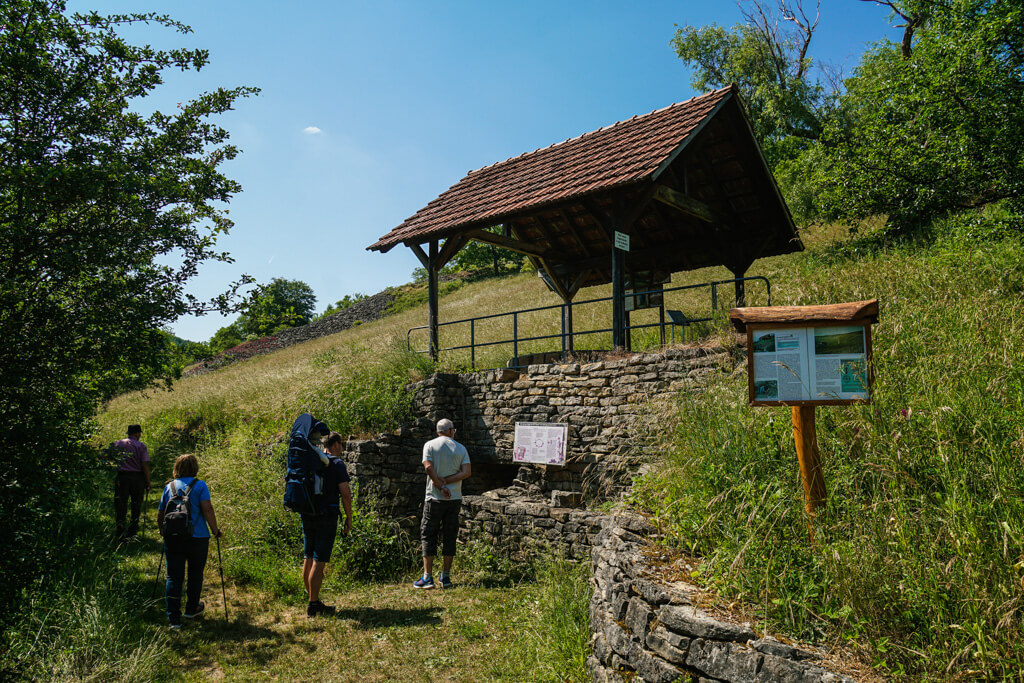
515,337
714,296
563,314
661,327
472,343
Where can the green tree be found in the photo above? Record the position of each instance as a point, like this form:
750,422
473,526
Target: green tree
479,256
226,337
105,214
341,304
277,306
932,125
768,56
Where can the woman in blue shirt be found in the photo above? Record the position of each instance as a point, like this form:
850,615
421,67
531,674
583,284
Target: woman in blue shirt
189,550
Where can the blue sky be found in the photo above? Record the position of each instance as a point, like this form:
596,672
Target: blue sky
369,110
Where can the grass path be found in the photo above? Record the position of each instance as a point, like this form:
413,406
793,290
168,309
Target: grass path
381,632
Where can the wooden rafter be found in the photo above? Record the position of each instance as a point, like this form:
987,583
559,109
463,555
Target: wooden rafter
688,205
505,242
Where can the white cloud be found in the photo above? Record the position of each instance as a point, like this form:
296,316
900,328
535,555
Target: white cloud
310,130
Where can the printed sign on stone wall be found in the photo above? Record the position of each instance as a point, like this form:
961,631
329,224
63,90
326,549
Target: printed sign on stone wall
540,442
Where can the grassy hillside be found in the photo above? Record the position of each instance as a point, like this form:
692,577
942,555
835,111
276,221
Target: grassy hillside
919,555
920,558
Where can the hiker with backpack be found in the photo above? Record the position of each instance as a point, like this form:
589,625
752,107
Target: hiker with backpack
320,530
315,484
185,520
131,482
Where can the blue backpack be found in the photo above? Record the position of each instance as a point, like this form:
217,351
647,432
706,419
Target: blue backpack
303,488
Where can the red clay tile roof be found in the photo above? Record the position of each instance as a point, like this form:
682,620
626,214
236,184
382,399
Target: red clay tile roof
623,153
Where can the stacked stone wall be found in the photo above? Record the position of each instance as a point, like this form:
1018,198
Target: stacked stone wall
601,402
644,628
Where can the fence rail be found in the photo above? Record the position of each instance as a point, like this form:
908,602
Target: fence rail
677,320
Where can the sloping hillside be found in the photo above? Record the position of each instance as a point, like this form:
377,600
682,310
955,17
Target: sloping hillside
919,552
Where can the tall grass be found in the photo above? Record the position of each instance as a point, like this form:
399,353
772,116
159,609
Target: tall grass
920,549
552,642
73,624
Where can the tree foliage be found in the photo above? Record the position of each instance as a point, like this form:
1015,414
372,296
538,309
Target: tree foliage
933,124
269,308
341,304
277,306
768,56
105,214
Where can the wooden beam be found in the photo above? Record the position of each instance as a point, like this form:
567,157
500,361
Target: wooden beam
432,307
688,205
505,242
545,230
418,250
571,224
452,245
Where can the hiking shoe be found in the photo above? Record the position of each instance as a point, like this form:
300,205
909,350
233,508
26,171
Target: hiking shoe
446,583
192,614
175,626
317,609
423,582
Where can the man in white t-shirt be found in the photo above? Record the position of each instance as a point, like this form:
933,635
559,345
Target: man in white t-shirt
447,464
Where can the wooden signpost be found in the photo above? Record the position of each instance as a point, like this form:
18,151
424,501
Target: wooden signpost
803,357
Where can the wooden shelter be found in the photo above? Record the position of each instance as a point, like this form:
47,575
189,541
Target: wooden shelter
685,186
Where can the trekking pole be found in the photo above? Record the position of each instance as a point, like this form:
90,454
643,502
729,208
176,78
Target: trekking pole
223,591
145,509
156,581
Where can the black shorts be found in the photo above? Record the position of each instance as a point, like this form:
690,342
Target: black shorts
443,516
318,534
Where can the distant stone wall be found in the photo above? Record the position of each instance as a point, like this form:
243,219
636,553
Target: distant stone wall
364,310
643,628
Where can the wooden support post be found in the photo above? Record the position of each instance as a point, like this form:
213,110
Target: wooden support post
741,292
618,299
432,268
806,436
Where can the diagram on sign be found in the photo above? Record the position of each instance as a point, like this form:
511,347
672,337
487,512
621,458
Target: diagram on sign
540,442
811,363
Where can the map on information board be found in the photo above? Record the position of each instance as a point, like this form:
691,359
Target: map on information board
540,442
818,363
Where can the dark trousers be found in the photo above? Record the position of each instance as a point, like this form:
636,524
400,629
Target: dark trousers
440,516
193,552
128,487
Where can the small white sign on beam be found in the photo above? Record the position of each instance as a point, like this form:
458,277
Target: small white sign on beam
621,241
540,442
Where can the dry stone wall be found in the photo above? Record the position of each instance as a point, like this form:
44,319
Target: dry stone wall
645,629
601,402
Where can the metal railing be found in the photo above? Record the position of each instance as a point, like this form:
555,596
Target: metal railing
566,336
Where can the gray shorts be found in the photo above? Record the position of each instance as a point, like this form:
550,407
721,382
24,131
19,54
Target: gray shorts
443,516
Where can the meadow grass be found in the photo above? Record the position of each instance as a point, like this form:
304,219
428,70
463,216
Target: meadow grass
919,551
919,556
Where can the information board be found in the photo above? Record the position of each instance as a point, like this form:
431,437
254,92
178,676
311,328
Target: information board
809,364
540,442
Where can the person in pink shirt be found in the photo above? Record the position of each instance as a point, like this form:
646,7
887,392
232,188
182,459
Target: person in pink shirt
131,483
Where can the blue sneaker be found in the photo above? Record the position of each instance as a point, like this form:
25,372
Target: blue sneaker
423,582
446,582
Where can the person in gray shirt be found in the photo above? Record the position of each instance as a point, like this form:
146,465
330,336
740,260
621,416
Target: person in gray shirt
447,464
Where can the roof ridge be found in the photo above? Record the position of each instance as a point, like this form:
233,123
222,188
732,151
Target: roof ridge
598,130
